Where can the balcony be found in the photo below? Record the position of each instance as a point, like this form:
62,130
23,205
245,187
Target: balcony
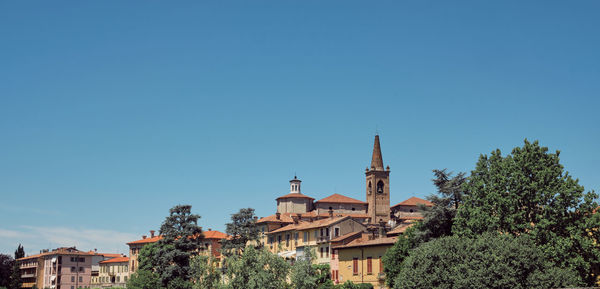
323,239
381,276
28,275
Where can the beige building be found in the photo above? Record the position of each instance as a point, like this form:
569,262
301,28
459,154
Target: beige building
136,246
292,241
359,261
113,273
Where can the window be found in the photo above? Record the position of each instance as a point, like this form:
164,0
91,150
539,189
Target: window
327,252
370,188
118,279
333,254
330,208
353,209
72,287
80,278
355,266
125,279
380,187
321,252
72,278
296,237
287,239
369,265
316,234
336,232
82,260
73,269
72,259
305,239
80,269
327,232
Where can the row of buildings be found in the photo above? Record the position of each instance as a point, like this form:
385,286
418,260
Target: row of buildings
348,234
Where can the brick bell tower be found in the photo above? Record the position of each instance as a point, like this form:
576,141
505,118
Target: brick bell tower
378,187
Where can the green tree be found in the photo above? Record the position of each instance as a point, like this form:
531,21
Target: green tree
181,239
146,276
486,261
205,273
144,279
6,268
242,229
15,279
439,219
394,256
257,268
528,192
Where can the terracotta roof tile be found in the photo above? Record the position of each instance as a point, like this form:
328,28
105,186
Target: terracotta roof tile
340,199
304,225
414,201
283,218
147,240
295,195
214,235
364,242
343,237
116,260
400,229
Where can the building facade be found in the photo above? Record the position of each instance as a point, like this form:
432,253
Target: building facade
112,273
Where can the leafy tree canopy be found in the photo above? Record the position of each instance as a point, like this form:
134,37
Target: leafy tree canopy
486,261
181,239
528,192
257,268
6,269
243,230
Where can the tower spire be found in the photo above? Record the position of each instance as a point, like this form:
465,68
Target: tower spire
377,160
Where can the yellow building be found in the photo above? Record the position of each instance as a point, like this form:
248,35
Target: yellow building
113,273
360,260
292,241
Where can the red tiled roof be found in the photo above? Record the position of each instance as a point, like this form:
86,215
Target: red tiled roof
61,251
116,260
343,237
295,195
340,199
147,240
283,218
214,235
400,229
364,242
303,225
414,201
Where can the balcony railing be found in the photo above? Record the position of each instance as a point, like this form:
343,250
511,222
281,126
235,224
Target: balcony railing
28,275
322,239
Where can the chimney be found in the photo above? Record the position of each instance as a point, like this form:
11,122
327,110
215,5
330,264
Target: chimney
209,229
331,213
144,237
152,233
278,216
96,250
299,216
295,219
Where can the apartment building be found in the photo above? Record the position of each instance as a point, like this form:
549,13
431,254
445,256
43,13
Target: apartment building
61,268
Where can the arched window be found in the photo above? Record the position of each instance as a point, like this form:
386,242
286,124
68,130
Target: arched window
380,187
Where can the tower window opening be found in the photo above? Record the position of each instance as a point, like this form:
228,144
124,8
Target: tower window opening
380,187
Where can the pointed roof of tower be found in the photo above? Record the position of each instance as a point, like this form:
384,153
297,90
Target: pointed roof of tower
377,160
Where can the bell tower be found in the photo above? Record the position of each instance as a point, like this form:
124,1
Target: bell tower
378,187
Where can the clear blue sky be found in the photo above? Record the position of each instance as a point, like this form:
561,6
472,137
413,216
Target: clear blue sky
111,112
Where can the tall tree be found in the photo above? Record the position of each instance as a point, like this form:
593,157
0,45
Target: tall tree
15,279
181,240
528,192
439,219
6,269
205,273
395,256
146,277
243,231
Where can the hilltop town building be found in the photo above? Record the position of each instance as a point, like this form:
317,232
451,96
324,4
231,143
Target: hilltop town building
61,268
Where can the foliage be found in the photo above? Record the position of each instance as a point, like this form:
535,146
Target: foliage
528,192
305,275
257,268
181,237
439,219
205,273
15,279
350,285
243,230
147,258
395,255
7,264
144,279
486,261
